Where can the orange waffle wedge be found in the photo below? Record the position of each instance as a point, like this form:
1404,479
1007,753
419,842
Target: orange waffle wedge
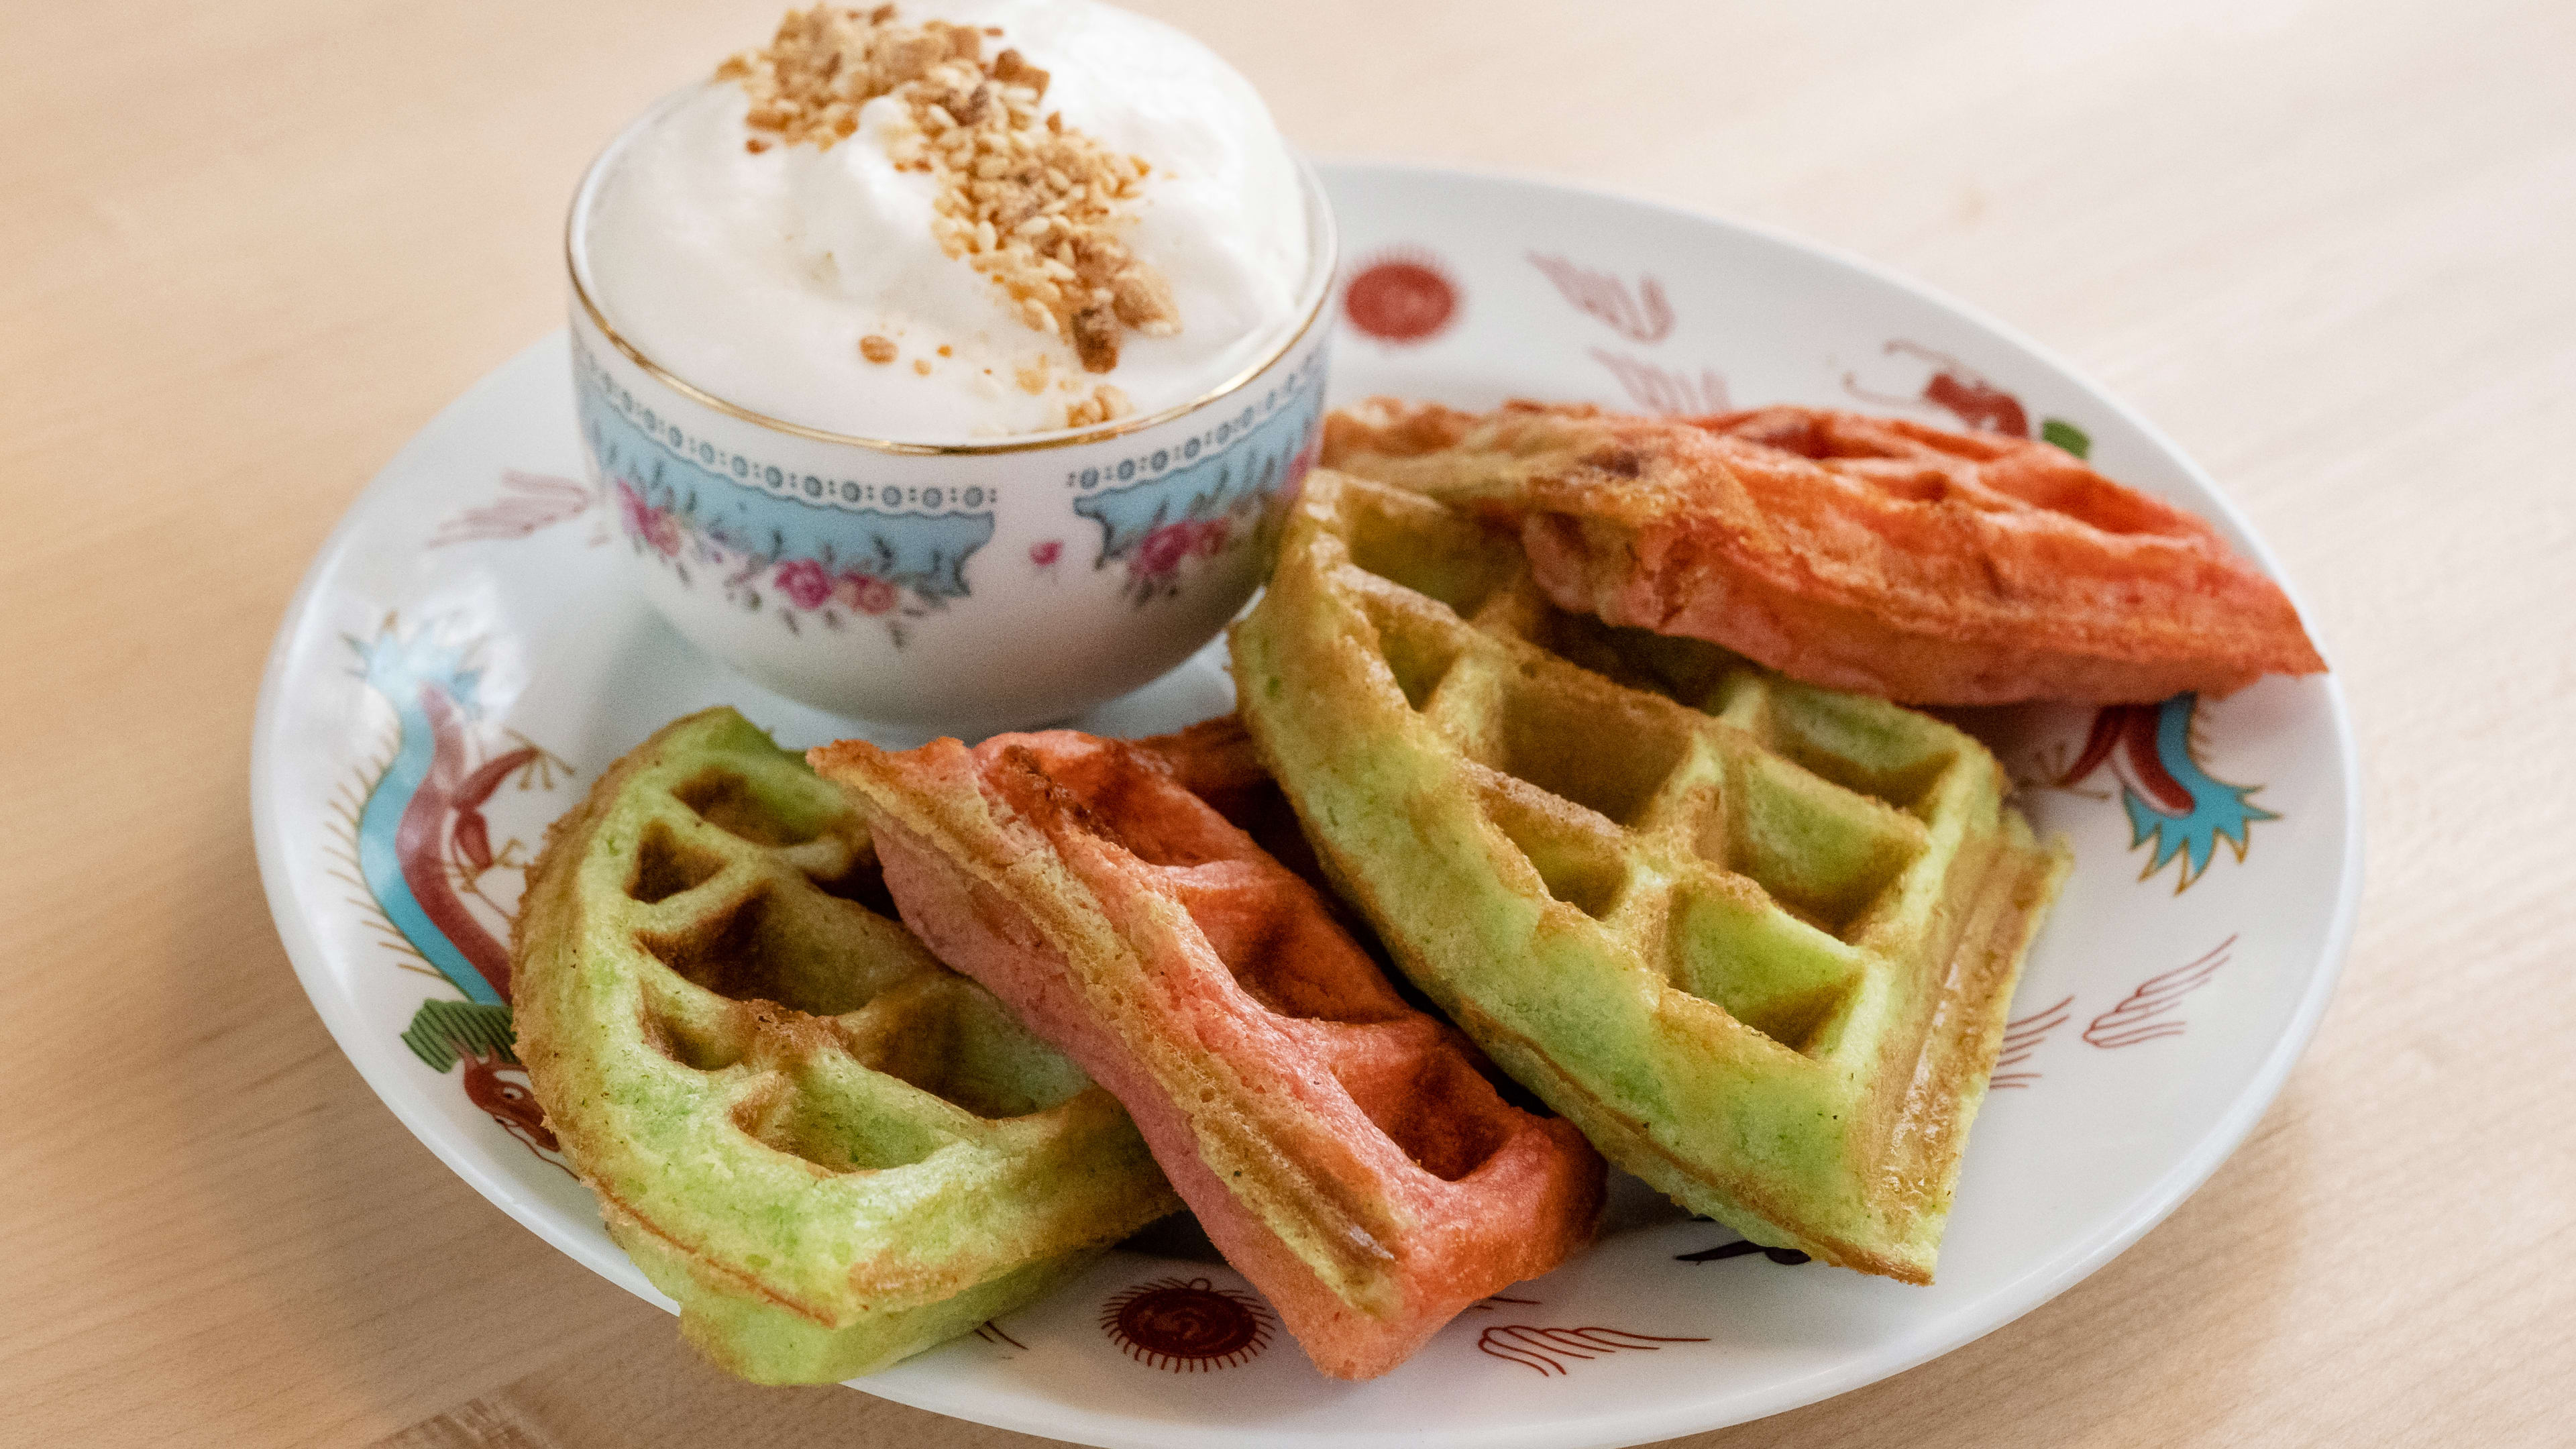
1339,1146
1860,553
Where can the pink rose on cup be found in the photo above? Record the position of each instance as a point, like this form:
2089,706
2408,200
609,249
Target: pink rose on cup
804,583
653,525
1164,548
1044,555
867,593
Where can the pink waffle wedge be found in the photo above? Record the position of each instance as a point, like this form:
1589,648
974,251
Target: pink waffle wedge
1340,1147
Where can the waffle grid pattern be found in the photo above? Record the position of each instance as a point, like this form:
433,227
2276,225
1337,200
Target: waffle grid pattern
1391,1184
831,1149
1678,830
1299,975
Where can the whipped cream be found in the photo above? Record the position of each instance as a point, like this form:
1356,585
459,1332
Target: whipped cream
758,274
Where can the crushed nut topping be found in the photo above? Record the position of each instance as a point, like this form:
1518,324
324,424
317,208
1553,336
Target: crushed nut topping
1106,402
1031,203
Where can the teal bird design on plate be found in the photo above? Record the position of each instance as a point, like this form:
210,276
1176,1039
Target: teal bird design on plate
2176,808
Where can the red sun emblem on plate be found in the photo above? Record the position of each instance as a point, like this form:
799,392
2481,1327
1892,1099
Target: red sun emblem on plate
1187,1325
1401,297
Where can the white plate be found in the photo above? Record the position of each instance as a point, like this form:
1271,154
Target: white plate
2217,848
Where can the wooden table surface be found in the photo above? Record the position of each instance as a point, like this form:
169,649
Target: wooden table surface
249,249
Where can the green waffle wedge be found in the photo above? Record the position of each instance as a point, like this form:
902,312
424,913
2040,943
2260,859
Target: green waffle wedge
832,1150
1757,939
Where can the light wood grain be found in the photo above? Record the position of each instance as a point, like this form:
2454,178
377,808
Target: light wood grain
249,250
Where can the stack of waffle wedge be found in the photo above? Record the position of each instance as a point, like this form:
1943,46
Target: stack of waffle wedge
1751,939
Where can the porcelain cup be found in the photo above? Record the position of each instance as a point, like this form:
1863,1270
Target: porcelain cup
967,587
